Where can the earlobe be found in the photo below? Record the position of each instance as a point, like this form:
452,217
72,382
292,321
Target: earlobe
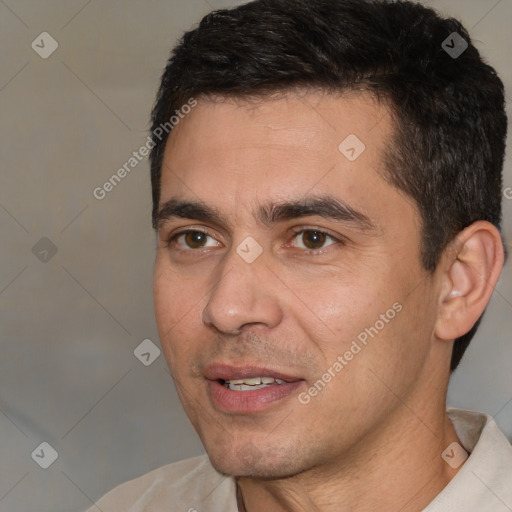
473,265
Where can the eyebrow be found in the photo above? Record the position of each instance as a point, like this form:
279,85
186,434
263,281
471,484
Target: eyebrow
325,206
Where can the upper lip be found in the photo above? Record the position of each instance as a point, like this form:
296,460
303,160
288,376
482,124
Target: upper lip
222,371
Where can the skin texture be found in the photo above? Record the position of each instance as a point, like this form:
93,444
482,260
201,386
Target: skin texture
372,438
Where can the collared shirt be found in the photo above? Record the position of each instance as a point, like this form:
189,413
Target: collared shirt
483,483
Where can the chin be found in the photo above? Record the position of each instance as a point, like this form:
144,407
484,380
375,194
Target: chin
249,462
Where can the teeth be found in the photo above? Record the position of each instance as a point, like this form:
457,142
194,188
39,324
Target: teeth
254,381
251,384
243,387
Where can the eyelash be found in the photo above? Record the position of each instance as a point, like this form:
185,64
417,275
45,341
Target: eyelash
295,232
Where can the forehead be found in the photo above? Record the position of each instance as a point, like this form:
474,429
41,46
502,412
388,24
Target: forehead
231,152
305,121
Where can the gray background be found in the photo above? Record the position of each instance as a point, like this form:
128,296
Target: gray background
69,325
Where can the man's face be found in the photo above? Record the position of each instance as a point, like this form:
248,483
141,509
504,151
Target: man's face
336,295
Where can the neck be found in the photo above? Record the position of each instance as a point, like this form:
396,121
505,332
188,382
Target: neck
397,467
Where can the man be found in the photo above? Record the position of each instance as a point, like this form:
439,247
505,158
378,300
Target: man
328,213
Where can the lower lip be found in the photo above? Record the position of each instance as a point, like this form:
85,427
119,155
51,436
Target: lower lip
249,401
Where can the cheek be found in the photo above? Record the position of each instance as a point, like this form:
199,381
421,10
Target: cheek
371,316
174,293
175,304
342,308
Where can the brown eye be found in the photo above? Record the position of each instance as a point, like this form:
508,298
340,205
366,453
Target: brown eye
195,239
313,239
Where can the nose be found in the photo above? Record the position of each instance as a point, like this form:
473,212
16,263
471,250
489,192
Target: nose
244,294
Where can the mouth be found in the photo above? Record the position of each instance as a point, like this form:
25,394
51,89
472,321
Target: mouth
248,389
250,384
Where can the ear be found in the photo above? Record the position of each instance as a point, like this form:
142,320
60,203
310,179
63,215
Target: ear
472,265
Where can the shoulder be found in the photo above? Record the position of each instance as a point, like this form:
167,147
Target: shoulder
185,485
